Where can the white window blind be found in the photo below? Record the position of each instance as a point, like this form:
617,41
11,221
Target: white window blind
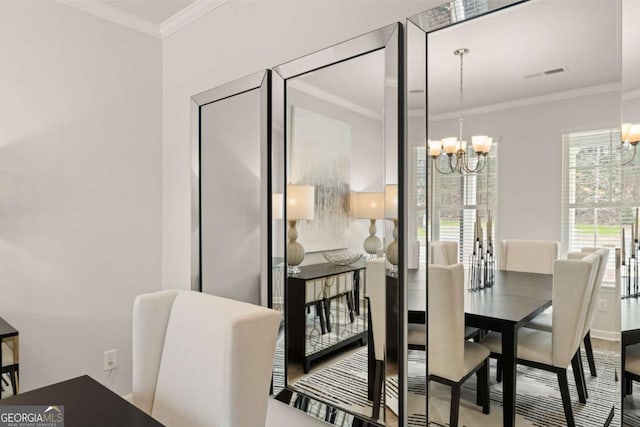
452,201
598,193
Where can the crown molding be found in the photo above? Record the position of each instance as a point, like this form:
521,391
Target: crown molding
525,102
628,96
115,15
334,99
186,16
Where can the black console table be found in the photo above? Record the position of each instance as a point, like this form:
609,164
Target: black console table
314,278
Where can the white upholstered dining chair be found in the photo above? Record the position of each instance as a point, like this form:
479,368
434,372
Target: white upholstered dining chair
531,256
452,359
573,282
202,360
443,252
544,321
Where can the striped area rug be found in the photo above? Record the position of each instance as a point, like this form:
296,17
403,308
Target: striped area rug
538,401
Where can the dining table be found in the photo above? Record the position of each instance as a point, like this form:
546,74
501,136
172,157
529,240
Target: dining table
513,301
80,402
629,335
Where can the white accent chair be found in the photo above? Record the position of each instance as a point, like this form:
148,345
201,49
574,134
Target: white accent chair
201,360
573,282
452,359
531,256
544,321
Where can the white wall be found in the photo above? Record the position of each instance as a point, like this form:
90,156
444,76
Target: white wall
80,187
237,39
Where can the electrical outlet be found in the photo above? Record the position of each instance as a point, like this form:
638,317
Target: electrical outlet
602,304
110,360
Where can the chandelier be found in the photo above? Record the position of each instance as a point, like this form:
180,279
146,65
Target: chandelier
631,136
455,147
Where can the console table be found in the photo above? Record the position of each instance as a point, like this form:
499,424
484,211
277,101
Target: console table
317,285
9,332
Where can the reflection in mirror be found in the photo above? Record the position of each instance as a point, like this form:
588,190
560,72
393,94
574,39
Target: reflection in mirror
336,249
230,133
630,310
544,77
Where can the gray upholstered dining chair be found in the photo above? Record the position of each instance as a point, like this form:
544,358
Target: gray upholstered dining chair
202,360
531,256
544,321
452,359
573,282
376,297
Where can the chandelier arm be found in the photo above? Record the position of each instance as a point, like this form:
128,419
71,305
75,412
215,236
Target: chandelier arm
435,165
479,164
632,157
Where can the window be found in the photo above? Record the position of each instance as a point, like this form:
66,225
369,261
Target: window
454,199
598,193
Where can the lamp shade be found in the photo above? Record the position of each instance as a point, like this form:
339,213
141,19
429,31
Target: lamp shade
300,202
368,205
391,201
634,133
276,206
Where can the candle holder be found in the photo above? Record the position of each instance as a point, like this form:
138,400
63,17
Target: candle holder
482,266
630,277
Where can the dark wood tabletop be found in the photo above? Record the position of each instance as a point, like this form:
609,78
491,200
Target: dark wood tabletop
86,403
325,269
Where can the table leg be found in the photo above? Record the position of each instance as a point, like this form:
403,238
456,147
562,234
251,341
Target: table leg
623,382
509,346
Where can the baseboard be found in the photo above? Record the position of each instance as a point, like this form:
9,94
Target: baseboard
128,397
605,335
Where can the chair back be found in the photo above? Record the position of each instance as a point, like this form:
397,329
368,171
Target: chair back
573,282
376,291
216,360
443,252
603,253
531,256
446,321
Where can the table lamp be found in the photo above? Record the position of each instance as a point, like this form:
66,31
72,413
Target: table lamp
369,206
300,205
391,212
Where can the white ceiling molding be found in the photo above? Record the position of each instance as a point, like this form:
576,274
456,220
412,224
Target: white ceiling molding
115,15
634,94
525,102
334,99
188,15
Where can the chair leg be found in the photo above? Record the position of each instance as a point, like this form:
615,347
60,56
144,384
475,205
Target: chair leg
377,392
499,371
566,397
14,384
584,378
578,375
483,396
455,405
589,350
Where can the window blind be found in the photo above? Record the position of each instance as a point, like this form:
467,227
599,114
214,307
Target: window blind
598,193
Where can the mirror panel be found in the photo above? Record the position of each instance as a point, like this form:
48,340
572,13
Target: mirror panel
630,309
537,104
338,187
230,134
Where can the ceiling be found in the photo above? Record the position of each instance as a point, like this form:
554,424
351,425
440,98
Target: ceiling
153,11
583,36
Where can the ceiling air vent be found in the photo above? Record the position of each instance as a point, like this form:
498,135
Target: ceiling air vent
546,73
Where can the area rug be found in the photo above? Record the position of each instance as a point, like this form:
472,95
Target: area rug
538,400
